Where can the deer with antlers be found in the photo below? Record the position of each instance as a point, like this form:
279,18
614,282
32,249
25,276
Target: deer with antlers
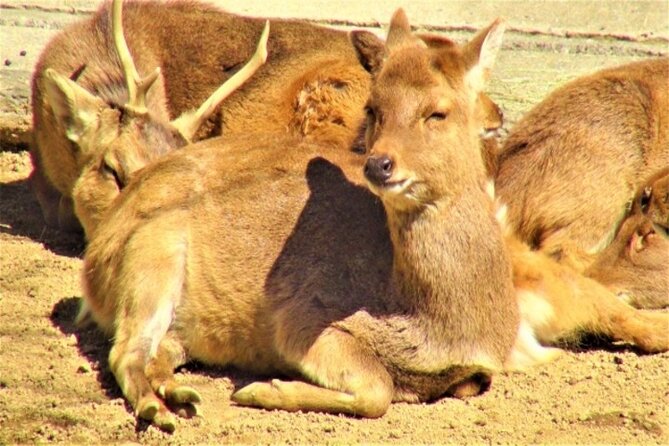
96,120
570,168
270,254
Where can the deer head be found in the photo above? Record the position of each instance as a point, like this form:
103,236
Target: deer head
112,141
425,114
635,264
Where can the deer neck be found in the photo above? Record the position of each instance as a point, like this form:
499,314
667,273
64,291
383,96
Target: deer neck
428,248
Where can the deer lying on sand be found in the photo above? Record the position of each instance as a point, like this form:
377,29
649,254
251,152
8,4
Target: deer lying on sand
636,264
88,117
268,254
571,166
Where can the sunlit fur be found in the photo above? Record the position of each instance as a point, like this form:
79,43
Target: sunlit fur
276,259
312,86
571,166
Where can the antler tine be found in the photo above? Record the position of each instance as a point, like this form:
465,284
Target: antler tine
189,122
137,88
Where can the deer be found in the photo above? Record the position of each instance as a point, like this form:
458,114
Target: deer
365,278
634,265
94,116
571,166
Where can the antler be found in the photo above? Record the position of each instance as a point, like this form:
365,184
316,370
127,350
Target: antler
189,122
137,88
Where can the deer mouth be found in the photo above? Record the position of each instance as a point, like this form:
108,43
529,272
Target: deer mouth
392,188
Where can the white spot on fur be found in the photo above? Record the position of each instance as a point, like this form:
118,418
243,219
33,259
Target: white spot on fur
156,327
490,189
537,312
527,350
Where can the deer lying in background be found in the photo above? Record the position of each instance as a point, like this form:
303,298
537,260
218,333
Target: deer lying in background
86,118
571,166
636,264
267,254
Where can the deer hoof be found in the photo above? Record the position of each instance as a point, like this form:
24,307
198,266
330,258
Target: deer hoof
183,394
165,421
258,394
148,409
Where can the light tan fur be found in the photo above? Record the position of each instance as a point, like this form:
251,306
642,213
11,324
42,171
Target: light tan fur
571,166
636,265
230,254
88,138
234,253
558,305
312,87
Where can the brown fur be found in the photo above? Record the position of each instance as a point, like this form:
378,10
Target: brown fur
636,264
559,304
570,167
197,47
286,264
281,262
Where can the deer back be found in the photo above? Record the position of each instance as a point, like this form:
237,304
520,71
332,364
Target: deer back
265,253
571,165
80,123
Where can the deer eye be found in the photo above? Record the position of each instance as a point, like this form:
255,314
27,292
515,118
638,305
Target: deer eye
437,116
108,170
373,115
645,198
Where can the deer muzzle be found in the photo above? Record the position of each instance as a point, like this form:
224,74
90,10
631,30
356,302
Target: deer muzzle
379,169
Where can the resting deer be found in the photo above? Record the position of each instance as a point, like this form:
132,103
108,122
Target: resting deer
89,121
570,167
232,253
635,265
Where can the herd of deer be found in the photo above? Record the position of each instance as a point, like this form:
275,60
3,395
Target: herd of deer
346,218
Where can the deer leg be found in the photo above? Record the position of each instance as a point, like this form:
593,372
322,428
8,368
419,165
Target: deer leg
127,360
160,373
572,304
47,196
67,219
347,379
143,356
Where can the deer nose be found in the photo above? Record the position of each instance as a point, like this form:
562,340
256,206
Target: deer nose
378,169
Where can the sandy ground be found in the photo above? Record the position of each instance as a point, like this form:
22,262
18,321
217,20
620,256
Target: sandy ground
55,385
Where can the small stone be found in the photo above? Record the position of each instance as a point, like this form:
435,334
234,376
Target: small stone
23,53
396,434
618,360
84,368
32,293
8,62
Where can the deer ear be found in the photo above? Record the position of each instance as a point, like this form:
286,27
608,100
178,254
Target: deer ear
399,30
370,49
480,54
493,117
399,33
74,107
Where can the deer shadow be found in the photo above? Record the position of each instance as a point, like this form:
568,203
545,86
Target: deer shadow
94,346
21,216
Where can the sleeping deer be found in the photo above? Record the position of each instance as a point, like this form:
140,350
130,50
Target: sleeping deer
89,118
571,166
636,264
271,254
